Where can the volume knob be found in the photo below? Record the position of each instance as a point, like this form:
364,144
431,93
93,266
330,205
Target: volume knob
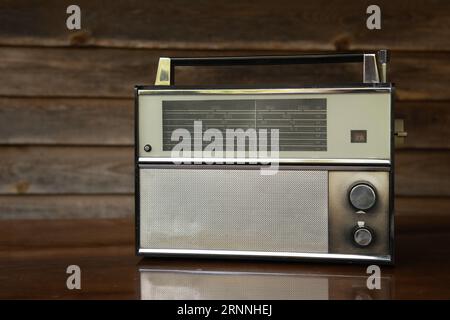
362,236
362,196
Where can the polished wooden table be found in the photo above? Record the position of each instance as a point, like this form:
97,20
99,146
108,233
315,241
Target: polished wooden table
34,255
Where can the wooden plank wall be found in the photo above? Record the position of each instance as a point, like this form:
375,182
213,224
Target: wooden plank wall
66,108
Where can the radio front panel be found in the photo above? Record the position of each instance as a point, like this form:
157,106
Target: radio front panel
310,126
298,212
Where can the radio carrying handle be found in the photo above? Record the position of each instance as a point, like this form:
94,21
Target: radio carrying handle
374,64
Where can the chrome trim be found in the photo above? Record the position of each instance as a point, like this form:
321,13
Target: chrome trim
265,91
264,160
268,254
370,69
239,272
383,59
163,72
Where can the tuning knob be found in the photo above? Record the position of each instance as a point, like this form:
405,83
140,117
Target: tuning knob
362,196
362,236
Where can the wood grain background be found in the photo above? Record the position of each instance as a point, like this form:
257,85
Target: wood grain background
66,108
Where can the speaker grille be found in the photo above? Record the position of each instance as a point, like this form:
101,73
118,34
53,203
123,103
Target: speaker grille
229,209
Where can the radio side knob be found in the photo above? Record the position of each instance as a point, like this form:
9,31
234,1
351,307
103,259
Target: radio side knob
362,236
362,196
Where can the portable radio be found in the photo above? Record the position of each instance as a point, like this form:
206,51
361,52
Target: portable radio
268,172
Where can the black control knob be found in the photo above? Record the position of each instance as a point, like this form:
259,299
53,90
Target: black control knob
147,148
362,196
362,236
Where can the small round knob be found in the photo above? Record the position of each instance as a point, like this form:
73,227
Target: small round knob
362,196
147,148
362,237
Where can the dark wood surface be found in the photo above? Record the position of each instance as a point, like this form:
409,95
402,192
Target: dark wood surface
65,206
34,255
95,122
66,96
70,170
256,24
113,73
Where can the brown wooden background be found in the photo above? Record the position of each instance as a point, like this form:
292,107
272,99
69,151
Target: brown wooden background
66,97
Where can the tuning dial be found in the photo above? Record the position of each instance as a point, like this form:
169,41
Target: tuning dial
362,196
362,236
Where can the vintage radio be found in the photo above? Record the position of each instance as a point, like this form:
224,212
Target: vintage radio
268,172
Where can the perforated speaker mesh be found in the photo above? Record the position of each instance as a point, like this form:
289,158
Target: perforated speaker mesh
222,209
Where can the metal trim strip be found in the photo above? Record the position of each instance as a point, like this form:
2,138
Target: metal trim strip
267,160
158,91
332,256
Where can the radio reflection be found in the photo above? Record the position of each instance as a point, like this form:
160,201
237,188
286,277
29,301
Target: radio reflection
224,280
